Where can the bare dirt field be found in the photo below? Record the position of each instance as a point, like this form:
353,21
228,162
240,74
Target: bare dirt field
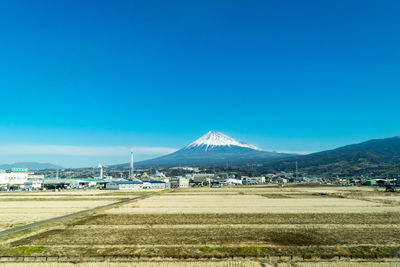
334,226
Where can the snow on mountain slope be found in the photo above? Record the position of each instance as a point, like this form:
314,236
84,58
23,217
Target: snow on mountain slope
213,139
213,149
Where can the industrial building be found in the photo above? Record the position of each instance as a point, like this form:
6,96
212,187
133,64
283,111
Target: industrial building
13,180
155,184
18,178
33,185
253,180
179,182
201,178
124,185
128,185
232,181
76,183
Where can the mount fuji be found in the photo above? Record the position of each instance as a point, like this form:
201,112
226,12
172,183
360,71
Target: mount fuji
214,148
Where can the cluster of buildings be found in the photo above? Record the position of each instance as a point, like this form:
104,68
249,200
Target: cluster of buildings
212,180
24,179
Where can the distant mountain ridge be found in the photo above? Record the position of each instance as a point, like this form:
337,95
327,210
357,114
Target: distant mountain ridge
30,165
213,148
373,157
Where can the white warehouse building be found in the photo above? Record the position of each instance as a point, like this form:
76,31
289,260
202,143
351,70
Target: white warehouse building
124,185
13,179
253,180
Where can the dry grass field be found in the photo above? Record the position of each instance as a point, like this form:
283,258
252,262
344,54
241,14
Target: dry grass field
273,226
199,204
20,208
15,213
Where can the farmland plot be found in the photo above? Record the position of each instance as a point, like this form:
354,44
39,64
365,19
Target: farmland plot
23,208
224,223
169,204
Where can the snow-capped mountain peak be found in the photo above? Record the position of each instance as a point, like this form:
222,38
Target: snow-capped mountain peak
213,139
214,149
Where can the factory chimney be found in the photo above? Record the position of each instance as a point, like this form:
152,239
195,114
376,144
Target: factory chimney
131,166
101,171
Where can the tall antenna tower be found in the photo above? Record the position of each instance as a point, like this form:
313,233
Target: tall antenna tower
131,166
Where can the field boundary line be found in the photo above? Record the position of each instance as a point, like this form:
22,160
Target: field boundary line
228,226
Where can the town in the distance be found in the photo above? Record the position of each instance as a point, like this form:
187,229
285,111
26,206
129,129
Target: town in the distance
217,160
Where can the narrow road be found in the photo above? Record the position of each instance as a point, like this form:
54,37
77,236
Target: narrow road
31,225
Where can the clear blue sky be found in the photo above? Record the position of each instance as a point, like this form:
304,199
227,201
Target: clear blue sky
155,75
